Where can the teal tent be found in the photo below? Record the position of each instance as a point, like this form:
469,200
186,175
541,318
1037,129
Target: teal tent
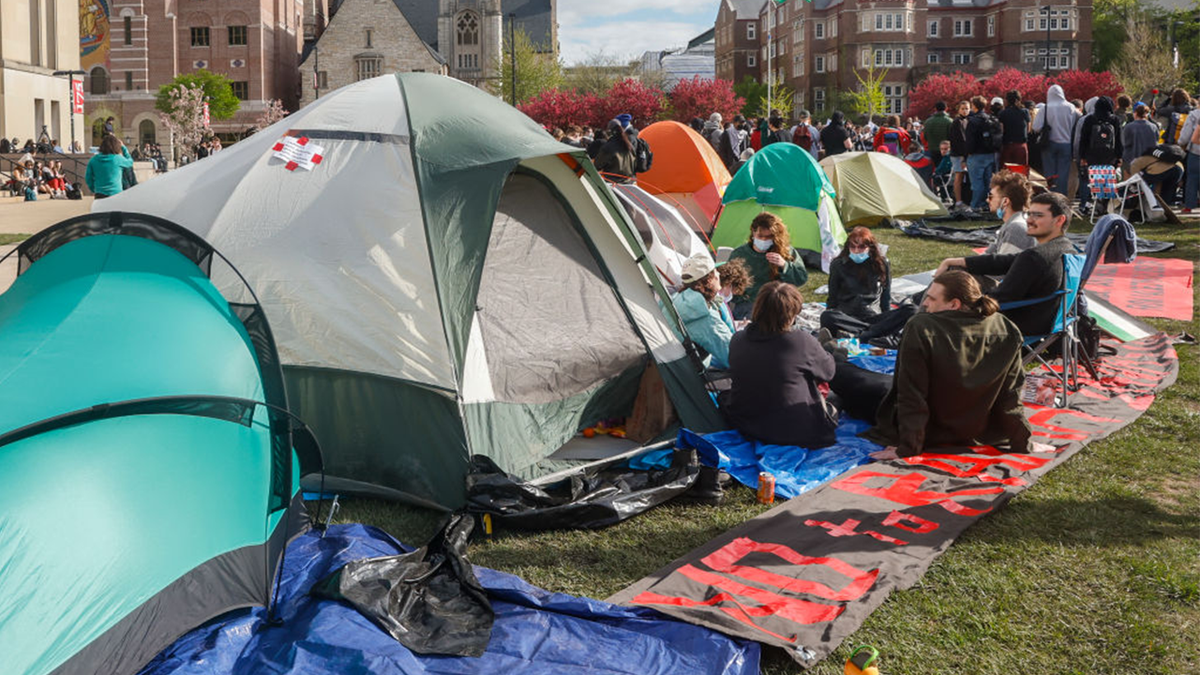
783,179
148,487
444,280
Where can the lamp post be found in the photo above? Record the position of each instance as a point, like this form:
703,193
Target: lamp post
71,97
512,53
1047,10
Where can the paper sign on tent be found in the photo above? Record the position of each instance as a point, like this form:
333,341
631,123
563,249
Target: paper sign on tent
298,153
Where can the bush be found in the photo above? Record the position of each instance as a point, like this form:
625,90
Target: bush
701,98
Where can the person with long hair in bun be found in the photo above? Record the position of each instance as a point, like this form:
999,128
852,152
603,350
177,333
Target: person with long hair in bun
860,291
768,256
958,376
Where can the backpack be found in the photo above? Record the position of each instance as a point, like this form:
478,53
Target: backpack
1168,152
73,192
1102,143
993,133
30,194
1174,127
802,137
643,157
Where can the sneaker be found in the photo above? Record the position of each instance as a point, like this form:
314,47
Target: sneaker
1186,211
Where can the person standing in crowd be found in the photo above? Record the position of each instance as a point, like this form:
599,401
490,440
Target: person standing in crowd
1015,120
937,129
730,146
806,135
1138,137
768,256
1032,273
1174,116
958,376
105,169
713,130
1190,136
776,371
108,126
891,137
616,157
835,137
1056,121
1099,142
981,157
1124,109
775,132
958,151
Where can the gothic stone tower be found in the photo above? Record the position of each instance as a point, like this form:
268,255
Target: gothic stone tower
470,37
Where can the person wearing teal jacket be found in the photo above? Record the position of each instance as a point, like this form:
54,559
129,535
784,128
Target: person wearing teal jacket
104,170
768,256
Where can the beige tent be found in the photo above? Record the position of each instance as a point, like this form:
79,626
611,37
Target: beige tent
872,186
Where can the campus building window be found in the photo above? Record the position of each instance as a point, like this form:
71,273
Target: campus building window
322,79
129,30
893,98
819,99
367,68
129,80
751,31
467,31
933,57
818,31
933,29
962,58
964,28
241,90
751,60
237,36
991,26
99,81
200,36
819,64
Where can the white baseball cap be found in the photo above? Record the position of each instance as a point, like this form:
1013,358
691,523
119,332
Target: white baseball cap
697,267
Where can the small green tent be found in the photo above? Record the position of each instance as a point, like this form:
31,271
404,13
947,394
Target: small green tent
146,488
447,280
783,179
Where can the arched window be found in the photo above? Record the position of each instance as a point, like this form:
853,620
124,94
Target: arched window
99,81
146,132
467,29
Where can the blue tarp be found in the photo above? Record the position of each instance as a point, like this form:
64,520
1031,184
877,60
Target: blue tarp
535,631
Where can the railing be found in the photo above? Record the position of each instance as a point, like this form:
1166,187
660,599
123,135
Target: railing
74,165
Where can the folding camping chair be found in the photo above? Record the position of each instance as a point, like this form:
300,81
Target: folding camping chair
1065,330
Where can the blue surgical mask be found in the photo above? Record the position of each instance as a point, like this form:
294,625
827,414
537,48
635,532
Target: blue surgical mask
860,257
763,245
1000,213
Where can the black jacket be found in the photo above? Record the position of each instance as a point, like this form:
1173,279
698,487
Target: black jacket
1033,273
958,137
857,290
977,123
833,139
1016,124
1094,153
774,397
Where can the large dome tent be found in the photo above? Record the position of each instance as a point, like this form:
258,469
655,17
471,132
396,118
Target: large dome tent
686,174
150,481
447,281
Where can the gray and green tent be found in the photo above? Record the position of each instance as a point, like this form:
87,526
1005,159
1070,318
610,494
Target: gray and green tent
447,281
148,485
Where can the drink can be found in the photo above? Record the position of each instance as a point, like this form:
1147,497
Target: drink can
766,488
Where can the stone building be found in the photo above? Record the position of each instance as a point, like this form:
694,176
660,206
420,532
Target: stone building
131,47
815,47
460,38
37,38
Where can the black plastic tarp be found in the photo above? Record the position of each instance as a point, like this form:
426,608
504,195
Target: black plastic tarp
983,236
428,599
588,500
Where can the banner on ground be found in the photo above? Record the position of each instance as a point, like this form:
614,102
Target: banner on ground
805,574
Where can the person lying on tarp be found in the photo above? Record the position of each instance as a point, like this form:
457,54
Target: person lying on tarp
768,256
958,376
860,292
1033,273
702,304
779,372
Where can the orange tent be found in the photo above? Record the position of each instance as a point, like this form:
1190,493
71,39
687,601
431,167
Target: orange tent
686,172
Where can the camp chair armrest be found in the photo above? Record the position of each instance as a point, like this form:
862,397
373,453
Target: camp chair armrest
1032,301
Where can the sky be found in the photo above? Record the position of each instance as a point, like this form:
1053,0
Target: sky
627,28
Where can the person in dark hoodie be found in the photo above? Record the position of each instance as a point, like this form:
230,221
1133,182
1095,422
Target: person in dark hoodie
835,137
1100,136
616,156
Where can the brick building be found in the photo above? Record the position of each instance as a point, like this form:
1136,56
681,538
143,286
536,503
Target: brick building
815,48
737,41
131,47
460,38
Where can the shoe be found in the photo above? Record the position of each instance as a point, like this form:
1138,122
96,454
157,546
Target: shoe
1186,211
708,487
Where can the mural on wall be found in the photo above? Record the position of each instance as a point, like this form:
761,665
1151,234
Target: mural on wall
93,33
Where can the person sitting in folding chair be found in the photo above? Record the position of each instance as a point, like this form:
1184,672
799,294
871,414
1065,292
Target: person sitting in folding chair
958,376
1030,274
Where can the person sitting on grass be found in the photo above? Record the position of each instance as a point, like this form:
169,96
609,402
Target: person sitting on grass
958,376
775,395
1032,273
768,256
860,291
701,307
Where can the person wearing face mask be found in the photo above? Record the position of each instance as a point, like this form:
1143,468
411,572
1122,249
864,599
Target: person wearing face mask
768,256
1007,199
701,305
860,292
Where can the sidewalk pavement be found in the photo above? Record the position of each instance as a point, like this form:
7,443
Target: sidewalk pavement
21,217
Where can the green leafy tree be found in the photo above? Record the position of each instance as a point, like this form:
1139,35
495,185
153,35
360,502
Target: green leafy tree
536,72
1110,20
867,98
782,99
222,104
753,92
1145,62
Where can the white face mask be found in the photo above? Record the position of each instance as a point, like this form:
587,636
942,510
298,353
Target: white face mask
763,245
725,294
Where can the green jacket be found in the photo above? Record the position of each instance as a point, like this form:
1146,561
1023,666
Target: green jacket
937,129
756,263
958,383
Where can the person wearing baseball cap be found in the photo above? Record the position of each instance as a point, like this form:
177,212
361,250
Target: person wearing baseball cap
702,309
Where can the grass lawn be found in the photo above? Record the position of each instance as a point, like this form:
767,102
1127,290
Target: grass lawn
1095,569
12,238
